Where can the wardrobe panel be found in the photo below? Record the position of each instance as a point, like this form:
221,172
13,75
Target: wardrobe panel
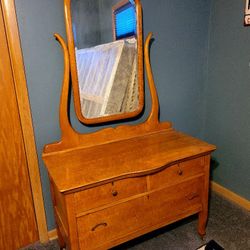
18,225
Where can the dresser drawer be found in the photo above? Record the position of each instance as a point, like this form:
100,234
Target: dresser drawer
176,201
108,193
99,229
176,173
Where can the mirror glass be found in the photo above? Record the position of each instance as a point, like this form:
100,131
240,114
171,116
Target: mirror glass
105,36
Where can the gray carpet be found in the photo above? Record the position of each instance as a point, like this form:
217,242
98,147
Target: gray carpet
228,225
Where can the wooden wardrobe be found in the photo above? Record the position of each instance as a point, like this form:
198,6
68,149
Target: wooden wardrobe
22,217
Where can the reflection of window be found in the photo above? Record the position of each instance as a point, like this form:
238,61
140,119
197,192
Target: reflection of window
124,17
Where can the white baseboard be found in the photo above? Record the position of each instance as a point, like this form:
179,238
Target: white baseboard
229,195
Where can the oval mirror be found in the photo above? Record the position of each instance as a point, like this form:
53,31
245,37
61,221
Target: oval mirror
106,58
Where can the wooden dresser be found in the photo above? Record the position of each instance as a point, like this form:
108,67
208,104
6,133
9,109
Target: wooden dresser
111,193
116,184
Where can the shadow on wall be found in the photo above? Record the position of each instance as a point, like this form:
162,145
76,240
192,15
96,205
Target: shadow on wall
213,165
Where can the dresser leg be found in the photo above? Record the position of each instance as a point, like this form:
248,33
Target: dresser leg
202,223
61,242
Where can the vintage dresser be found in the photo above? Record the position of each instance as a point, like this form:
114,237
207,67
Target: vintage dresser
118,183
108,194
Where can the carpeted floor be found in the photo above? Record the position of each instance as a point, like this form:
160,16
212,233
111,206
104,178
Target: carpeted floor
228,225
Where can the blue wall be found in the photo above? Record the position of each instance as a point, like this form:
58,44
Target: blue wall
227,117
179,56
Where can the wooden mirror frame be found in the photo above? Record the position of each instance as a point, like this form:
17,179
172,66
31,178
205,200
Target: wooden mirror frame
74,77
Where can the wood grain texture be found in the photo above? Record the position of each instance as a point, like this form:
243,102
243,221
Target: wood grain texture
17,218
116,222
177,173
111,223
71,216
58,202
19,78
109,193
73,68
134,234
86,167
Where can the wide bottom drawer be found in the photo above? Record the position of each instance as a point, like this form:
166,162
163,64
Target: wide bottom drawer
97,229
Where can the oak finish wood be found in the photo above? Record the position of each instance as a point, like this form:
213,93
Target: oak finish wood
60,215
166,174
204,199
74,76
101,227
17,217
154,205
91,166
109,193
226,193
177,173
15,53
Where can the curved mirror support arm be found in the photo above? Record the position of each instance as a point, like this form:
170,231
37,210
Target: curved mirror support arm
66,128
72,139
154,114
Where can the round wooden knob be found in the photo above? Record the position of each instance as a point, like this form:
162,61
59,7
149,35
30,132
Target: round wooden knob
114,193
180,172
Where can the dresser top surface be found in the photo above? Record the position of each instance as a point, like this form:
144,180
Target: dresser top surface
91,166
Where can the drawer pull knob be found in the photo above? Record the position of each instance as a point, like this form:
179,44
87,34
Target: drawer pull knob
180,172
114,193
102,224
192,196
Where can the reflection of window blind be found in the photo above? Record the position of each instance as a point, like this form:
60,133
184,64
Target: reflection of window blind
125,21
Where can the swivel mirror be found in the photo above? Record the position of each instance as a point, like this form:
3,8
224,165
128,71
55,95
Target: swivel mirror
106,62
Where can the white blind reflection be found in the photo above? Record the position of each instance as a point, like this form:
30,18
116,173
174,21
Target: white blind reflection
107,78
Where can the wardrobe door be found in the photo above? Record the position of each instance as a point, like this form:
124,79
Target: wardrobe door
18,225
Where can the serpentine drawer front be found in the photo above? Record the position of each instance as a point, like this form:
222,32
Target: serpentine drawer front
98,229
177,173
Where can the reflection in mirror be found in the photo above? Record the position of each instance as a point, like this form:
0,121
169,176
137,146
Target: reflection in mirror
105,39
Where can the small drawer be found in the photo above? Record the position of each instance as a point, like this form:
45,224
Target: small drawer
176,173
108,193
100,228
